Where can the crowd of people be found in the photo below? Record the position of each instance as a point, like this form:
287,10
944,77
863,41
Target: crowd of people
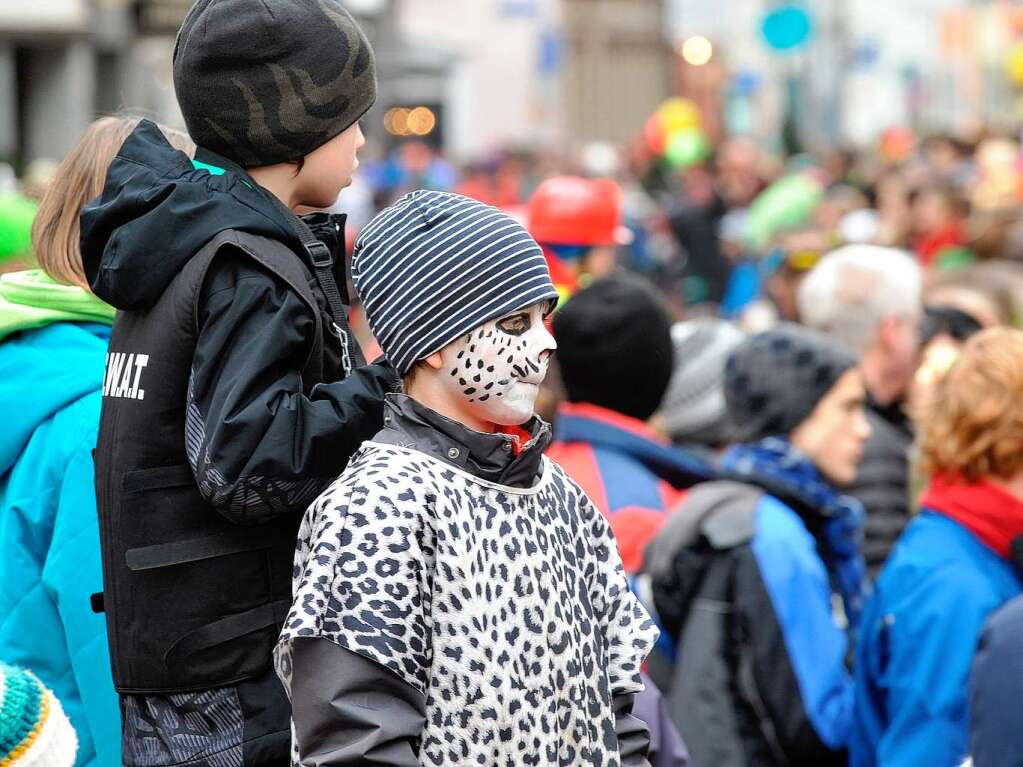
656,464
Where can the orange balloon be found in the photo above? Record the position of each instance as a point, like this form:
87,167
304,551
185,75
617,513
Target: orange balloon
655,133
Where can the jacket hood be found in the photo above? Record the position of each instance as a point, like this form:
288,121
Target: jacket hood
158,208
31,299
598,426
724,498
722,514
42,371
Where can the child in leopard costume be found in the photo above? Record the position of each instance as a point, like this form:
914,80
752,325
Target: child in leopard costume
457,598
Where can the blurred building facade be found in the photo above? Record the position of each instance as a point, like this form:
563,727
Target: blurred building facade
63,62
930,65
552,73
540,73
618,68
496,73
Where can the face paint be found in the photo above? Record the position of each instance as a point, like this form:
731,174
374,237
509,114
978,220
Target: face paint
496,370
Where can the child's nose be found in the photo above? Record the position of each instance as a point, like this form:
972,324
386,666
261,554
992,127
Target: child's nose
549,344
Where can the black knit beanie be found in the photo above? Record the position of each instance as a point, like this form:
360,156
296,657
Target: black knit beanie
268,82
614,346
774,380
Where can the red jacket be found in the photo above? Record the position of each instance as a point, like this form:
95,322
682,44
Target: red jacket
633,476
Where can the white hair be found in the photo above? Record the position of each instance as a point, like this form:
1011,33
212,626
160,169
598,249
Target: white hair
855,287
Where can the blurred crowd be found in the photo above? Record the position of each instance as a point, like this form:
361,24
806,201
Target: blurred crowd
791,383
767,279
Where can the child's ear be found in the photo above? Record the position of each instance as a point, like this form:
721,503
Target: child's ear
435,361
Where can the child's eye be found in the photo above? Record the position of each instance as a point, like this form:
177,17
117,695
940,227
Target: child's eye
515,325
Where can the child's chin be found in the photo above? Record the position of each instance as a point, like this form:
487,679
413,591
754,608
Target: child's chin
509,416
325,199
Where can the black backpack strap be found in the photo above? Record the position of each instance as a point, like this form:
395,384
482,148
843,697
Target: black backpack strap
321,260
280,260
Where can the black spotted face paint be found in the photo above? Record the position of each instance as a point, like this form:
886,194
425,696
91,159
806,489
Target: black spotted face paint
497,368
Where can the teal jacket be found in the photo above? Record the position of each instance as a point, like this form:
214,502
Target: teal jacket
53,342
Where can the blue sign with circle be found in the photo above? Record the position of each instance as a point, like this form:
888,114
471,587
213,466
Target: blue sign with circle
786,28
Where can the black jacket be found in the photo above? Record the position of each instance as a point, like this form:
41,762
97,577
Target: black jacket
760,679
350,711
260,440
156,212
882,481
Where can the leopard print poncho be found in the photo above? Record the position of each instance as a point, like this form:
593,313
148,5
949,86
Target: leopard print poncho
507,608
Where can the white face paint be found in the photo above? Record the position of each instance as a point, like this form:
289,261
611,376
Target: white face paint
496,370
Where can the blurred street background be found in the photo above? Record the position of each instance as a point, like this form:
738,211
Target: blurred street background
542,75
695,108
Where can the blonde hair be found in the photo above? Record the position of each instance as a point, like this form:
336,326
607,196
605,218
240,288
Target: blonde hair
78,180
974,425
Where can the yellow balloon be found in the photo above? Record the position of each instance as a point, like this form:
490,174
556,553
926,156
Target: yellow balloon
1014,64
679,115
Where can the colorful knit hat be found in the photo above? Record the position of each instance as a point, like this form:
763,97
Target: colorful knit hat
34,732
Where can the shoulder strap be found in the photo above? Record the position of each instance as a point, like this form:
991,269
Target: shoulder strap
281,261
322,262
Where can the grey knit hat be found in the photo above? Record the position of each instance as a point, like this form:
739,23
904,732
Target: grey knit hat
774,380
694,409
268,82
436,265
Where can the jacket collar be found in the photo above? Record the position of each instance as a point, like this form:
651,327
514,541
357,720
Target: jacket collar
498,458
329,228
987,510
215,163
598,426
893,414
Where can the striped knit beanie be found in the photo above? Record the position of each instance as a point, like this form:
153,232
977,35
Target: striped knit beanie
436,265
33,729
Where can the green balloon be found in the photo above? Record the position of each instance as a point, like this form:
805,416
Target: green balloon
788,202
16,216
686,148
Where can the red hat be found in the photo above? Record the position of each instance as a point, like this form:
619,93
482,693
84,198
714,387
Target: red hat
568,210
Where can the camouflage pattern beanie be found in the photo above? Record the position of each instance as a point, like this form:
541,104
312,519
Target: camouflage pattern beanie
267,82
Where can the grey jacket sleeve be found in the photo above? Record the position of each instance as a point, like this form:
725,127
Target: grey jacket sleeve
349,711
633,734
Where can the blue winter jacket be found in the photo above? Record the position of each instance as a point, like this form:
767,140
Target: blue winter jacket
50,381
917,640
761,678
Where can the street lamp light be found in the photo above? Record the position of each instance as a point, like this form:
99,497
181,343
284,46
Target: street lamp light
697,51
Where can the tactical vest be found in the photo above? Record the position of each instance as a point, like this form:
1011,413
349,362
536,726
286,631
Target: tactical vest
192,600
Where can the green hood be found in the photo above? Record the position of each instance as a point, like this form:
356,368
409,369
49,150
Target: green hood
30,299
